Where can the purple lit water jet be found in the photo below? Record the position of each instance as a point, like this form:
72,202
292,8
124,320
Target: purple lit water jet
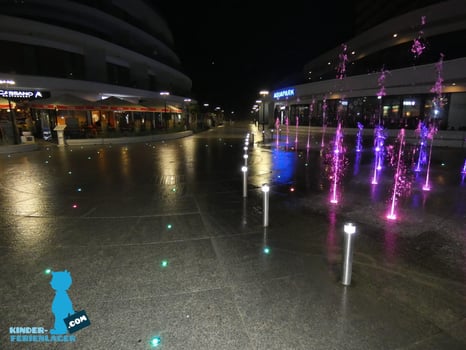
464,168
419,45
359,137
324,121
432,132
337,152
343,58
311,109
379,140
401,139
296,134
437,89
277,127
287,123
422,131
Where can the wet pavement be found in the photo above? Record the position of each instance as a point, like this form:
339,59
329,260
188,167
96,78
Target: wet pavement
160,242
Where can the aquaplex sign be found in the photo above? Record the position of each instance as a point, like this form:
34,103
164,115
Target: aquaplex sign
24,94
283,93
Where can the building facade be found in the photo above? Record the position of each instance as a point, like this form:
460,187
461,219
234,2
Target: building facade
88,49
407,69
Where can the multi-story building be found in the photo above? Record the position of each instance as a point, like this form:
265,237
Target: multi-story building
407,69
88,49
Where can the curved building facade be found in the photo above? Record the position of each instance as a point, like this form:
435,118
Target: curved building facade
88,49
407,69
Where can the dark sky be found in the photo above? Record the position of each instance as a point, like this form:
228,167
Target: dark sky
233,49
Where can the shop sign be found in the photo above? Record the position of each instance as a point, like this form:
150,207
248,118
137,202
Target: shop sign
283,93
24,94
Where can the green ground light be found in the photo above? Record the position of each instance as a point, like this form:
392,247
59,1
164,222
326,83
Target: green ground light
155,341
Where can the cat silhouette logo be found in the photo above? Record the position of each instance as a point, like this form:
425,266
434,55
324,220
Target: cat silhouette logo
66,319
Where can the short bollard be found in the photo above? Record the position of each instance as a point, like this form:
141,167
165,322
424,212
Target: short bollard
245,156
266,189
252,138
244,169
350,230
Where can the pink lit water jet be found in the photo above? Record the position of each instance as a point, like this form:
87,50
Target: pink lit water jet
379,139
419,45
311,109
337,153
277,127
401,138
431,134
324,121
359,137
287,123
422,132
343,58
296,134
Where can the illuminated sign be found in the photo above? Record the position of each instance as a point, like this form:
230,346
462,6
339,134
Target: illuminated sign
283,93
24,94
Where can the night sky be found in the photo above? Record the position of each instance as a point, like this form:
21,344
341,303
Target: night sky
232,50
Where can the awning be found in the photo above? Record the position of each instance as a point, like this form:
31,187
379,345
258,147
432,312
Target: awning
4,103
118,104
63,102
159,106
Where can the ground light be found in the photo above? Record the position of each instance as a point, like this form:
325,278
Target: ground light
164,263
266,250
155,341
48,271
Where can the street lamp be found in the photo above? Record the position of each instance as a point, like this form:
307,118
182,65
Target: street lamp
164,94
11,110
187,102
264,94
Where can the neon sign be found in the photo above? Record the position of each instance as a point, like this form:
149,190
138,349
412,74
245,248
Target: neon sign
283,93
23,94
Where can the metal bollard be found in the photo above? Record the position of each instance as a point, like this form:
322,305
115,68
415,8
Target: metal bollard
245,156
350,230
266,189
252,138
244,169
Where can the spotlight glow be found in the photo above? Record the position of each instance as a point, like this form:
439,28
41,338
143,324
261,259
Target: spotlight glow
155,341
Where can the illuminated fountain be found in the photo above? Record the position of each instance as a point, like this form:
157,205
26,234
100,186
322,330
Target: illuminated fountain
324,122
337,166
287,123
359,137
432,132
379,139
464,168
296,133
422,131
277,127
398,176
419,45
311,109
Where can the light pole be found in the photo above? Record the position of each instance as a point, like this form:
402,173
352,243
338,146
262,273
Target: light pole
164,94
6,94
263,94
349,230
187,101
